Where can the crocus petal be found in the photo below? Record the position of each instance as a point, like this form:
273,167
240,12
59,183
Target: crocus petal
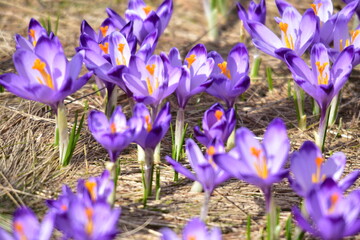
195,229
238,59
334,166
282,5
349,180
307,30
341,70
168,234
302,222
194,154
179,168
230,164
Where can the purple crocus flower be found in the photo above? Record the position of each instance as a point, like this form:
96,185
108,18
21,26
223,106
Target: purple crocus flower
321,82
310,170
230,78
152,131
113,134
256,12
90,221
35,31
26,226
152,81
261,164
206,171
45,75
331,215
297,33
323,9
195,76
96,188
194,229
216,123
146,20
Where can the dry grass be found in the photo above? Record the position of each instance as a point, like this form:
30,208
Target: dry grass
29,171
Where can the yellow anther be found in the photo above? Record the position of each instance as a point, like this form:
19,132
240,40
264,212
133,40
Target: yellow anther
46,78
316,7
354,35
113,127
334,198
147,10
121,47
224,69
18,228
89,226
104,30
289,42
322,79
315,177
149,86
255,152
32,33
211,151
218,114
191,59
151,69
260,163
148,123
90,186
104,47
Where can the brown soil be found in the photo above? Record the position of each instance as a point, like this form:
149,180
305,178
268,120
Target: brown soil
29,171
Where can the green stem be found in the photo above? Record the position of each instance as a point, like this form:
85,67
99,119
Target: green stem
334,109
256,65
179,129
114,169
205,207
271,214
269,78
324,118
61,123
111,102
157,160
299,103
148,173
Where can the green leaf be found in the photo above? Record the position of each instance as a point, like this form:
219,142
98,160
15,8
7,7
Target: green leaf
248,228
288,228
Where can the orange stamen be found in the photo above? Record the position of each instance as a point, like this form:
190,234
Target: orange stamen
149,86
255,152
260,163
148,123
315,177
89,227
355,34
104,47
147,10
191,59
18,227
321,68
112,128
64,207
32,33
191,237
218,114
288,40
316,7
46,78
151,69
121,47
90,186
104,30
224,69
211,151
334,198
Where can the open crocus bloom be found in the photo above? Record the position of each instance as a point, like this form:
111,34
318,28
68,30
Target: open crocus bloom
146,19
261,164
152,81
322,82
310,169
194,229
45,75
297,33
230,78
195,77
206,172
331,215
35,31
216,123
26,226
114,134
152,131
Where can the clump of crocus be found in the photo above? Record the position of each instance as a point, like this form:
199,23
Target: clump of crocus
207,173
323,81
26,226
145,18
194,79
330,215
194,229
230,78
87,214
151,133
114,135
46,76
216,123
260,164
310,169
